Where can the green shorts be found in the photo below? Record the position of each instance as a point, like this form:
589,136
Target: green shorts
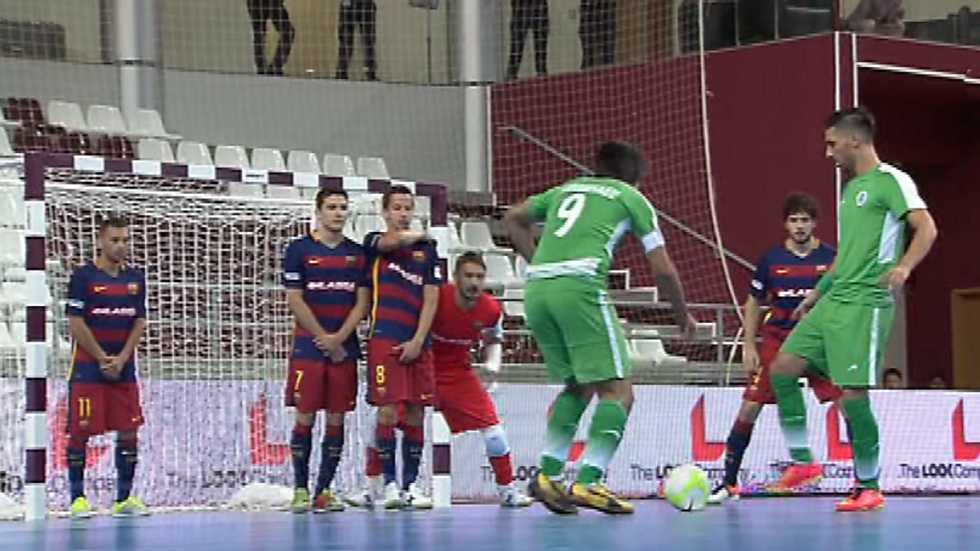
843,341
577,330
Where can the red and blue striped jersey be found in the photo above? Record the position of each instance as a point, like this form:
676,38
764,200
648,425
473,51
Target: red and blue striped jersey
398,279
783,279
110,307
329,278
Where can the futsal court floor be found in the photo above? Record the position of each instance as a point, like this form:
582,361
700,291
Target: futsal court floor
796,524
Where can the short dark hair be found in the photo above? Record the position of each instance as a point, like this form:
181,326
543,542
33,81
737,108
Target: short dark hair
799,202
621,161
471,257
396,189
112,221
891,371
855,119
322,195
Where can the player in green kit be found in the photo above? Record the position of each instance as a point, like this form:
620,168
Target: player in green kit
577,330
845,335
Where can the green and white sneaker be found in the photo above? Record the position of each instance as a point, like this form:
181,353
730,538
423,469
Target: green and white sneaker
301,501
130,507
80,508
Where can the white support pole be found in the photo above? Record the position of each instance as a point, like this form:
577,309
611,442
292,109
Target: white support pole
442,485
135,34
478,66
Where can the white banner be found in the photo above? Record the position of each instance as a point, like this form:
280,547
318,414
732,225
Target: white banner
203,440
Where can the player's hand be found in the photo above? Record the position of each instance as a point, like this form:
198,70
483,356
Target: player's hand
112,367
750,360
688,326
326,342
409,351
337,355
803,308
895,279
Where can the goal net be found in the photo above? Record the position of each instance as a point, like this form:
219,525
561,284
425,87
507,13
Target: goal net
212,365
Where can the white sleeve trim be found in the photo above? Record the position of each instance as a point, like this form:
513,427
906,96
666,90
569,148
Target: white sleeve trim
652,240
910,192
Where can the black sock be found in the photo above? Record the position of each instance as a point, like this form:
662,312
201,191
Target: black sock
300,444
385,441
331,450
738,440
126,459
76,472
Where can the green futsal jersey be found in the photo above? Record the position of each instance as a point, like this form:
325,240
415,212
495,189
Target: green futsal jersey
872,234
584,221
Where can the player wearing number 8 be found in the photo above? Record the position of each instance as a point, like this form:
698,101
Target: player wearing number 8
576,327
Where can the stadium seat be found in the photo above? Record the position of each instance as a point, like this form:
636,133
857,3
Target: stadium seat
155,149
477,235
5,122
23,110
513,302
193,153
76,143
27,139
520,267
282,192
303,161
367,223
455,243
11,207
338,165
350,232
5,149
266,158
18,334
67,114
500,272
423,206
416,225
15,273
372,167
646,351
244,189
366,203
6,340
147,122
12,247
231,156
105,118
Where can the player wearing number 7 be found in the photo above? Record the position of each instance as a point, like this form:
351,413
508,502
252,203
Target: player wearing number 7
576,328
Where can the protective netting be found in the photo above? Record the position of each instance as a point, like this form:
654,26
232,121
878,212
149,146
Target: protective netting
212,365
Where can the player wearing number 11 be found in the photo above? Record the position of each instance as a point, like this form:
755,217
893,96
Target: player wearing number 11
577,330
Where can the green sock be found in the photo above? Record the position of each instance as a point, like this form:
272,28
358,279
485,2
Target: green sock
865,442
608,424
562,424
792,416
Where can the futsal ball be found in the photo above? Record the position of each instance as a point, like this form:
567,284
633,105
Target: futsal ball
687,488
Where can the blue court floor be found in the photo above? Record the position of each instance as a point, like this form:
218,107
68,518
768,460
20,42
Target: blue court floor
797,524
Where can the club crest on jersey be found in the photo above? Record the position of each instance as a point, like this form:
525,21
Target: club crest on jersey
313,261
862,198
418,256
133,288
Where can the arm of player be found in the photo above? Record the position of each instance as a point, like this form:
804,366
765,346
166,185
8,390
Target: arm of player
305,317
430,303
750,355
669,281
924,235
518,222
132,341
394,240
83,336
493,349
354,317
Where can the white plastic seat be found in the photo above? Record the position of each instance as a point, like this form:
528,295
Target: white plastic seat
155,149
282,192
193,153
338,165
6,340
244,189
423,206
5,149
520,267
303,161
267,158
416,225
232,156
372,167
11,208
12,247
500,272
105,118
15,273
367,203
18,333
67,114
513,302
367,223
477,235
147,122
